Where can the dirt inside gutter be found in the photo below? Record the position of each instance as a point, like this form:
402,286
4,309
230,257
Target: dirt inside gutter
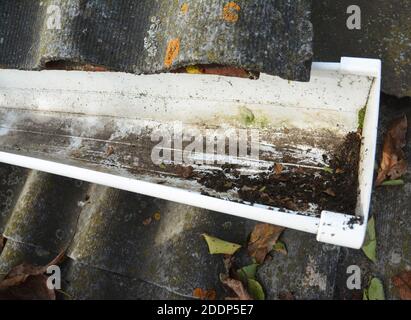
293,187
296,188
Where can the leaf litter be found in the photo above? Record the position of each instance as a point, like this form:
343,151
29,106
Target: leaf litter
218,246
393,161
262,240
28,282
242,282
402,283
370,243
375,291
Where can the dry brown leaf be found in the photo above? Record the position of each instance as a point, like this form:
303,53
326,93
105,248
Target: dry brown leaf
237,287
228,261
402,282
278,168
109,151
26,281
184,171
262,240
330,192
147,221
34,287
393,163
204,294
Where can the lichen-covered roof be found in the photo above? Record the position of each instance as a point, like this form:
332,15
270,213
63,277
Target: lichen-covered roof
149,36
114,253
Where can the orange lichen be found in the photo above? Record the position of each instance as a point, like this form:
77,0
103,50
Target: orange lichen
173,49
230,12
184,8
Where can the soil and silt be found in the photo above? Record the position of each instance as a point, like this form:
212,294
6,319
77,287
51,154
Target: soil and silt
297,188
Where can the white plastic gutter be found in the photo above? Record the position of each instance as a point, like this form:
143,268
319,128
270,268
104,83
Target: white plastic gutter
331,227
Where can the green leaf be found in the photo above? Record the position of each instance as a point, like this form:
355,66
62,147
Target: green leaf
361,117
370,243
255,289
376,290
280,247
247,272
365,294
398,182
328,169
218,246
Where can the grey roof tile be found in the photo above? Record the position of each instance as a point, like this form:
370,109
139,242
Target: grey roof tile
155,36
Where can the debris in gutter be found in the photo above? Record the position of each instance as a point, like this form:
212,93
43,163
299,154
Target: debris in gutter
297,188
109,151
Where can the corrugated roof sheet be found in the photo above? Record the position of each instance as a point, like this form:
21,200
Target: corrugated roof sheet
155,36
111,253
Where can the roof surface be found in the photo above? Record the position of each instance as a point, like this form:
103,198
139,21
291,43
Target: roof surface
155,36
114,254
112,251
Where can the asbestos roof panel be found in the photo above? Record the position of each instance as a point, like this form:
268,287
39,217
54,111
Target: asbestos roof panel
149,36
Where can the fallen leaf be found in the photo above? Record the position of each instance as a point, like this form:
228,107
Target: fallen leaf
218,246
393,163
236,286
228,261
370,243
397,182
278,168
402,282
28,282
33,287
281,248
204,294
147,221
262,240
109,151
255,289
330,192
247,272
375,291
184,171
